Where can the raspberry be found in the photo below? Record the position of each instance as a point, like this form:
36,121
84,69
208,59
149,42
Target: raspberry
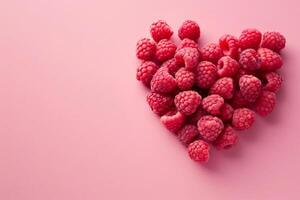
186,42
227,66
199,151
160,30
274,81
145,49
189,29
269,60
223,87
187,102
249,59
212,104
239,101
194,118
227,139
273,40
230,45
265,103
210,127
171,65
187,134
242,118
188,56
146,71
226,112
211,52
159,104
165,50
162,81
173,120
206,74
250,38
185,79
250,87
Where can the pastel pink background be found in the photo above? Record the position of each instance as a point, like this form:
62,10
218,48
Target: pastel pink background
74,123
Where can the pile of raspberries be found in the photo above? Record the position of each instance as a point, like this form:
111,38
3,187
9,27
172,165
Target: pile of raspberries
204,94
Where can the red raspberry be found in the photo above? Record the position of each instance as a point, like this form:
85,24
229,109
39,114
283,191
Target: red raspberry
230,45
173,120
265,103
249,59
206,74
250,87
273,40
188,56
213,104
223,87
210,127
274,81
189,29
226,112
171,65
227,66
199,151
239,101
269,60
242,118
159,104
187,134
227,139
162,81
160,30
186,42
211,52
145,49
185,79
165,50
187,102
250,38
146,71
194,118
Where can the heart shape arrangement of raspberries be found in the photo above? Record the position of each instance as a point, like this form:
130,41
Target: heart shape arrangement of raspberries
205,94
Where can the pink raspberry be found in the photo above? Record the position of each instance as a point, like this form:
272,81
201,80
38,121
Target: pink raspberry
210,127
189,29
273,40
223,87
165,50
250,87
187,134
274,81
159,104
249,59
173,120
250,38
162,81
239,101
185,79
227,67
242,118
160,30
146,71
206,74
230,45
269,60
171,65
194,118
227,139
187,102
226,112
188,56
186,42
145,49
199,151
265,103
213,104
211,52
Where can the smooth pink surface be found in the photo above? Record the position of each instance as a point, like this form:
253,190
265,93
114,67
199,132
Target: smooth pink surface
74,123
